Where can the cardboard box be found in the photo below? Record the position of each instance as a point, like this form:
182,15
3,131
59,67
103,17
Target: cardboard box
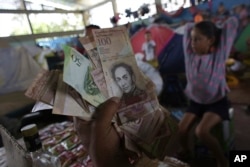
16,154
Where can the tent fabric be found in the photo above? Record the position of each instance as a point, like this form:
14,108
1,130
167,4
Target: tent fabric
161,34
17,69
171,58
241,42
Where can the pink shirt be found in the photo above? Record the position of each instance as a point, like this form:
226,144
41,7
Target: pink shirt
206,81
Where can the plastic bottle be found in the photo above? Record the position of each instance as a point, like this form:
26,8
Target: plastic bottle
40,157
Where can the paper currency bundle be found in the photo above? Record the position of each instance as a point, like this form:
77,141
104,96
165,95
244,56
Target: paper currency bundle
109,69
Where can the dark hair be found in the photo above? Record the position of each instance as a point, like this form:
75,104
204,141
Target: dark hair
124,65
92,26
209,29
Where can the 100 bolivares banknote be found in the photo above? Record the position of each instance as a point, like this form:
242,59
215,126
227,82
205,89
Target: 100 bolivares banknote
123,77
140,116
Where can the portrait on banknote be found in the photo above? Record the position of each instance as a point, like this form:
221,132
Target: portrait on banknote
124,76
135,101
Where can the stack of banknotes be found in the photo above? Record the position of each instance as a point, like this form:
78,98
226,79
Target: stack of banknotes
86,81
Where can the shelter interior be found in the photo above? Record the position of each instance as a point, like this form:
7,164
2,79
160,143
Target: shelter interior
33,34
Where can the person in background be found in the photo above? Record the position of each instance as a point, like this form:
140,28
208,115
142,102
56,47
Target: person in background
222,11
149,49
89,28
243,16
87,32
206,49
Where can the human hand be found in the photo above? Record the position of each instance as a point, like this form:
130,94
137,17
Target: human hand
100,137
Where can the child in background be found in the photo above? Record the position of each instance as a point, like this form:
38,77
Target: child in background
242,13
149,49
206,48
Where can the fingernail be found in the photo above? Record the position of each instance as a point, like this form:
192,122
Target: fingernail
115,99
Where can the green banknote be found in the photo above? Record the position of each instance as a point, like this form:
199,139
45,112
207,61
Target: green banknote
77,74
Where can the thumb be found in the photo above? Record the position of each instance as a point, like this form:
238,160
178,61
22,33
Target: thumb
105,112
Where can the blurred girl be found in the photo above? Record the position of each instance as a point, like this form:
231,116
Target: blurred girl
206,48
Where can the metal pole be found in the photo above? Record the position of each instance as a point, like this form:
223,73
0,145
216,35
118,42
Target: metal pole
27,15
